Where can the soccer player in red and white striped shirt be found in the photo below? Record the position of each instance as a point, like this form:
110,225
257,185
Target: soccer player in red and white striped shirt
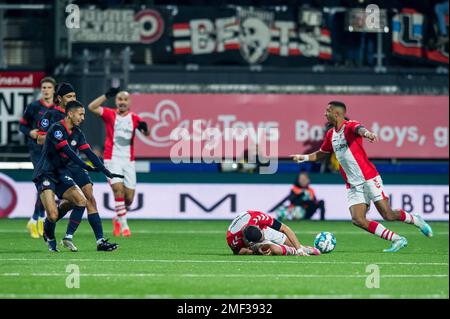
257,233
364,184
121,126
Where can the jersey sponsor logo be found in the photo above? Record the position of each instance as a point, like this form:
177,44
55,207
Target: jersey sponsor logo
45,122
58,135
68,177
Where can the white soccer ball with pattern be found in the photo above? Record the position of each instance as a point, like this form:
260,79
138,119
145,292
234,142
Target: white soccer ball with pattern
325,242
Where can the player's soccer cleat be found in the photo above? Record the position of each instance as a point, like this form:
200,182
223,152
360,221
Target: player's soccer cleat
302,251
68,243
104,245
397,245
126,232
40,227
312,250
32,228
423,226
116,227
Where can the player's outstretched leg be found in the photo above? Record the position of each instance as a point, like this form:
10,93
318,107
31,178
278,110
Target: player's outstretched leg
359,219
389,214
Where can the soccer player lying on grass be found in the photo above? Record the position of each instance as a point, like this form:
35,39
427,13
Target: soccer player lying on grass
256,233
364,184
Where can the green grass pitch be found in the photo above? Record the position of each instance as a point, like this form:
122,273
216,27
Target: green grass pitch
190,259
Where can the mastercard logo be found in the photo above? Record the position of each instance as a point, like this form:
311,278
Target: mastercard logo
8,196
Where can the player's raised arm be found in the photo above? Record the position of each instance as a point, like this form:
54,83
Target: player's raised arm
95,106
316,156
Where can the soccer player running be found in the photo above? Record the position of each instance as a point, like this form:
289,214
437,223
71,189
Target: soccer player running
29,127
121,125
257,233
364,183
65,95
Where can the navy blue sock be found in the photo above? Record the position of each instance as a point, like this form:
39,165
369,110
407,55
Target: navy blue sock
36,212
49,229
75,220
61,214
41,208
96,224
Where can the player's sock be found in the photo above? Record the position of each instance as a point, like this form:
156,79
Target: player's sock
407,218
49,229
123,221
36,212
96,224
287,250
381,231
41,208
120,208
74,221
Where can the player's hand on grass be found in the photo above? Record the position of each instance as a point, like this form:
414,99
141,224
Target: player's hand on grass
299,158
112,92
264,251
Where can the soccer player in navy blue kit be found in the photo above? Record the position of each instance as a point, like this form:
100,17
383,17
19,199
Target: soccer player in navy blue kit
29,127
55,174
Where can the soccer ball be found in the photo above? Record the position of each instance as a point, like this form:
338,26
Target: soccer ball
325,242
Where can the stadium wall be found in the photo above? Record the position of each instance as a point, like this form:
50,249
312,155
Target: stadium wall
223,196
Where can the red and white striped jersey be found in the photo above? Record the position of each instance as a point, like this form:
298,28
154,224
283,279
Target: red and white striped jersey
120,132
235,236
355,166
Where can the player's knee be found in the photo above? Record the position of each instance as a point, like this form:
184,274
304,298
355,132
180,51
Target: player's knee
52,215
81,201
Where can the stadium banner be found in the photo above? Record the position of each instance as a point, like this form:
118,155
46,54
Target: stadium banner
225,201
411,41
210,35
17,90
278,36
407,126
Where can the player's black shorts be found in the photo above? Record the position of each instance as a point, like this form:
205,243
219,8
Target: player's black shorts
79,175
59,184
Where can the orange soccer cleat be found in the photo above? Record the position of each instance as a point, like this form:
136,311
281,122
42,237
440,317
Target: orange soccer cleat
126,232
116,227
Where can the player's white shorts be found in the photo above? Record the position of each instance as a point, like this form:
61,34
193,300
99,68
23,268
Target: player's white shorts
270,236
371,190
123,167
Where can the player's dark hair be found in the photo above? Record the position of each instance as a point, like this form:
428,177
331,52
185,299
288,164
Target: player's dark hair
49,79
338,104
72,105
252,233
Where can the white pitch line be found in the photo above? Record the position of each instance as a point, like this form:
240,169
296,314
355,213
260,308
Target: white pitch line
244,261
191,275
249,297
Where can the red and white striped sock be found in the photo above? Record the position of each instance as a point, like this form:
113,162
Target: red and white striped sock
287,250
381,231
120,209
407,218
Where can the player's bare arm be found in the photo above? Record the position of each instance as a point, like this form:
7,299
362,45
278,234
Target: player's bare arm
290,235
372,137
34,134
244,251
313,157
95,106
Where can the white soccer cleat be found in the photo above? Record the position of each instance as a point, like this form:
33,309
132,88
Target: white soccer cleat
423,226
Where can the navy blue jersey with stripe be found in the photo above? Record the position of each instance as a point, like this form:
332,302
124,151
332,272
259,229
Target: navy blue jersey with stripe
30,121
51,116
53,162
